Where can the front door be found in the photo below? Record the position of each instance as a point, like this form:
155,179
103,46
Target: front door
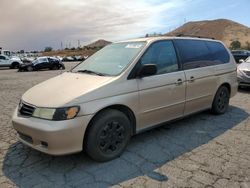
161,96
4,61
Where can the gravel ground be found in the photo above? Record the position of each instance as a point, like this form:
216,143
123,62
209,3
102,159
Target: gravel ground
199,151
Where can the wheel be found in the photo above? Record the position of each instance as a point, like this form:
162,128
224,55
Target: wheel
14,65
29,68
108,135
221,100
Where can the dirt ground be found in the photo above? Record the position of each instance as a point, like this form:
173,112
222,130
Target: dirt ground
199,151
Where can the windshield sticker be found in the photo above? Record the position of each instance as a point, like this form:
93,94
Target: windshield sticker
133,46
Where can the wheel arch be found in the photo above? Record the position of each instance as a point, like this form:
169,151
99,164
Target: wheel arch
227,85
14,63
122,108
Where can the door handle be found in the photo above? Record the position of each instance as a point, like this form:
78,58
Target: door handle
191,79
178,82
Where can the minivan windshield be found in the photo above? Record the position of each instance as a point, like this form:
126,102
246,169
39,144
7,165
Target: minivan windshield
111,60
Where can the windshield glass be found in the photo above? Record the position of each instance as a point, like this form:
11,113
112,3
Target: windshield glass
112,59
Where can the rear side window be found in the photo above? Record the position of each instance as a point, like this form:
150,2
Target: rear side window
218,52
199,53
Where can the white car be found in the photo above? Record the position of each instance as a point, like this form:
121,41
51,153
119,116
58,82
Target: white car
13,62
243,72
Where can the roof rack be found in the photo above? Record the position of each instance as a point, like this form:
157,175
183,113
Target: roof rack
195,36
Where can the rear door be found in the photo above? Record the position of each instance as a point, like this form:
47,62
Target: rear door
161,96
200,74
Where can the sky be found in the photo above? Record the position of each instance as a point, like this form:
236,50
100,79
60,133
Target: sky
33,25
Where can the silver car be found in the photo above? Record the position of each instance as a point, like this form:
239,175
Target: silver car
243,73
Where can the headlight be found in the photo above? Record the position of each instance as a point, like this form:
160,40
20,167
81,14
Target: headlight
56,114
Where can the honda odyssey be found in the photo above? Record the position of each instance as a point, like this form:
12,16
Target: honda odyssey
123,89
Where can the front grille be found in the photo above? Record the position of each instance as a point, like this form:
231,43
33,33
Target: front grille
26,110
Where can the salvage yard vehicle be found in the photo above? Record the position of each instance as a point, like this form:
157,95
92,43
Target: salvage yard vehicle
125,88
240,54
11,62
42,63
243,73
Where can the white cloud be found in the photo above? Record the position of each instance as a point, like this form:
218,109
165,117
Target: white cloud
31,24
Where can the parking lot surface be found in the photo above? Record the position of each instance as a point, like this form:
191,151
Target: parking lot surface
203,150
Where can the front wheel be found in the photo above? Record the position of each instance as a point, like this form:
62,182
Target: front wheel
221,100
108,135
15,65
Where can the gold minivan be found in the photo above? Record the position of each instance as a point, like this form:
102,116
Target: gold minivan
123,89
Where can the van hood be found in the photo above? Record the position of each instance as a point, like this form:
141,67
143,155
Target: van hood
62,90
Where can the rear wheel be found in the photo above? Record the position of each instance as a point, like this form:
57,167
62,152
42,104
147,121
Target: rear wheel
30,68
108,135
221,100
63,67
55,67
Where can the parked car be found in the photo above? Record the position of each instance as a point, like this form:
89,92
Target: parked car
68,58
58,57
78,58
27,59
243,73
43,63
123,89
240,54
11,62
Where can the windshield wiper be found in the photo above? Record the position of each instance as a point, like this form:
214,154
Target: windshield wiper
92,72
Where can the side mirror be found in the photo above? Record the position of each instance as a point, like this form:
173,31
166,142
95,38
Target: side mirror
147,70
241,61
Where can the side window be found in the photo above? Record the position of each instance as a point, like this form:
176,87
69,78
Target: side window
2,57
218,52
43,60
163,55
193,53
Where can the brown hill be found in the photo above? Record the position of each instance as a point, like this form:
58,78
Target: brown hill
221,29
99,43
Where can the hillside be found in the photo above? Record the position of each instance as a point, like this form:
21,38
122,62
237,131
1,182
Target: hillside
221,29
86,51
99,43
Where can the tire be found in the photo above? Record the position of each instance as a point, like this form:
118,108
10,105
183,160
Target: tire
14,65
221,101
108,135
29,68
55,67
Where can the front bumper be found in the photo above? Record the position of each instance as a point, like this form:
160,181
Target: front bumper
243,80
51,137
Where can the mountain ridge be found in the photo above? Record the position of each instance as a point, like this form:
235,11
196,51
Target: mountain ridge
220,29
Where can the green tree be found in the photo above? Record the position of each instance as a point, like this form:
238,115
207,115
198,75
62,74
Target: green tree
48,49
235,45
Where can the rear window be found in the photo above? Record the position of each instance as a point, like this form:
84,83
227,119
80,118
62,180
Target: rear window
218,52
199,53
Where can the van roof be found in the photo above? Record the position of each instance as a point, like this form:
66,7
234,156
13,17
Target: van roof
152,39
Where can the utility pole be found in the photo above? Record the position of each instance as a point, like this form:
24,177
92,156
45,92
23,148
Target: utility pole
79,44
